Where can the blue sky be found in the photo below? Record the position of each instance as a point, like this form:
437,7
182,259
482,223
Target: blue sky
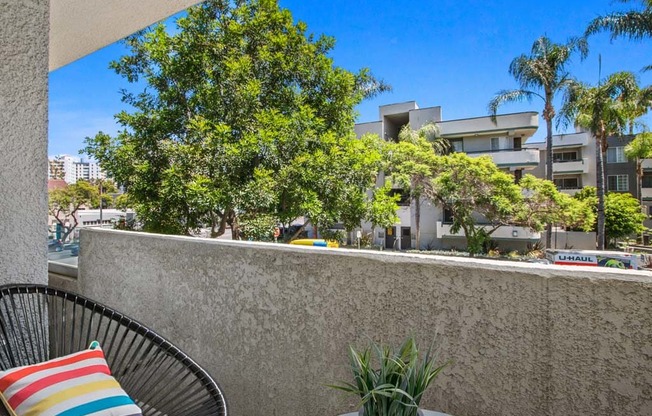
447,52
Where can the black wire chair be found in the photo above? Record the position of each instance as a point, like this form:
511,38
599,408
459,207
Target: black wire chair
38,323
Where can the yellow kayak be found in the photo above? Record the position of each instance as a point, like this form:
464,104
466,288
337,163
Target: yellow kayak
315,242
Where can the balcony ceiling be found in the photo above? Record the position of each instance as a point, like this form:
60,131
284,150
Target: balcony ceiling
80,27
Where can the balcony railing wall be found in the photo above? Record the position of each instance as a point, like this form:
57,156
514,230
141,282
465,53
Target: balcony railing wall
272,322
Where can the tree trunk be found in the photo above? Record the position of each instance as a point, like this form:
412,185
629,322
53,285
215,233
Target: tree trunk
235,229
216,233
548,115
600,190
300,230
639,180
417,221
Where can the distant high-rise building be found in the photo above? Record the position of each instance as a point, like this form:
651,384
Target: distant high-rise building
71,169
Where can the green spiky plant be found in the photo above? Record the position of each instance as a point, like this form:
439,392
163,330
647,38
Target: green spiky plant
396,386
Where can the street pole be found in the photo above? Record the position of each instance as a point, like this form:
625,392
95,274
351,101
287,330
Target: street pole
101,223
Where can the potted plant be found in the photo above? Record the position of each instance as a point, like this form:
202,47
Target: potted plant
391,383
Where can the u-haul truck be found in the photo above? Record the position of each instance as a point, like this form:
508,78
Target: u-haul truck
615,259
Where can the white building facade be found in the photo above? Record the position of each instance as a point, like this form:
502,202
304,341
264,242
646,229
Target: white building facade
503,141
71,169
574,167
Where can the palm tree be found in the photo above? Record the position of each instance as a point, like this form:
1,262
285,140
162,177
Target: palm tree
635,24
413,164
605,111
638,149
542,74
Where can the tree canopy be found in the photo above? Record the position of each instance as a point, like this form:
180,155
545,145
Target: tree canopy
63,204
471,187
542,74
623,216
634,24
605,110
244,114
410,163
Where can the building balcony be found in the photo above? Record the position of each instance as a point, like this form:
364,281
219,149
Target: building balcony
646,164
512,158
502,233
570,192
517,124
646,194
571,166
277,300
570,140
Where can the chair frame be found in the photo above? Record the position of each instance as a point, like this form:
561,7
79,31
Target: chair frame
136,354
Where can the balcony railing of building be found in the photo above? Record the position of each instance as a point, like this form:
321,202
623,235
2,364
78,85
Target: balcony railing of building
521,157
571,166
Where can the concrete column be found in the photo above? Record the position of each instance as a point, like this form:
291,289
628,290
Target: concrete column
24,29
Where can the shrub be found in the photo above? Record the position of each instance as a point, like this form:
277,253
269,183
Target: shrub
391,383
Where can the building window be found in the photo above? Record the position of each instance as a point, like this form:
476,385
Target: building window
618,183
616,155
495,144
457,145
567,183
404,197
448,216
564,157
518,175
647,180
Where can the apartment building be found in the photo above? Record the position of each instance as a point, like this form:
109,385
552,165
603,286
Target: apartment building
574,166
503,141
71,169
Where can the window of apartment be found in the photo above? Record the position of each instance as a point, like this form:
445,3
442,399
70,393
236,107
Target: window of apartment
567,183
564,156
448,216
618,183
457,145
495,144
647,180
616,155
518,175
404,197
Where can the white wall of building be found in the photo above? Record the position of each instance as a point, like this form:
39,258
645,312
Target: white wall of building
24,31
476,134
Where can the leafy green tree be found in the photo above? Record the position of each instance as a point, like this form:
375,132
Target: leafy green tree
469,186
63,204
383,207
623,216
544,204
410,164
542,74
244,114
604,110
257,227
638,149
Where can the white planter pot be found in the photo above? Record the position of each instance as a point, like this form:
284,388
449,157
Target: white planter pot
420,413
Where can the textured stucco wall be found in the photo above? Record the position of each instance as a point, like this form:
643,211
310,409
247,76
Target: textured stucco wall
272,322
23,140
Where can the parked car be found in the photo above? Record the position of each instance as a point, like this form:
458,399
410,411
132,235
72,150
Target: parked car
55,245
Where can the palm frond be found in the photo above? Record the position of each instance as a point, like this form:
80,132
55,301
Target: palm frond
633,24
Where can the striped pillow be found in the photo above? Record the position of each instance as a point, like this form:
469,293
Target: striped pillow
74,385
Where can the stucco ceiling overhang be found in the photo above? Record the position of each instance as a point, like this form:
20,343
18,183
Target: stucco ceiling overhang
80,27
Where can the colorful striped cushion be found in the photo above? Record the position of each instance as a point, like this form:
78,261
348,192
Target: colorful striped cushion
74,385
